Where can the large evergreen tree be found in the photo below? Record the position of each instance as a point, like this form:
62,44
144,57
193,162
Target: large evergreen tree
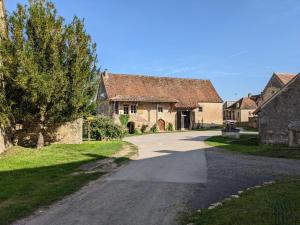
49,67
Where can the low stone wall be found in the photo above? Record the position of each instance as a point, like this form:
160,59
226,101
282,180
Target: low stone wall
4,141
69,133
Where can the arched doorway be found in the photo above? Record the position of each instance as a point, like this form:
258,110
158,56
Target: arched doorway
131,127
161,125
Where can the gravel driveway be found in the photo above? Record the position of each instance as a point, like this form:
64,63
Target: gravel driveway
174,172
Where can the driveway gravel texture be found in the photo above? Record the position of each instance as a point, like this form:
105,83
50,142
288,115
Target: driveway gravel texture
174,172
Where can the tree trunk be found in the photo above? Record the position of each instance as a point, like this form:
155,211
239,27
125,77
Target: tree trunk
41,140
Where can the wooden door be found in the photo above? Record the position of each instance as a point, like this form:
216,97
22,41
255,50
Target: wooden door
161,125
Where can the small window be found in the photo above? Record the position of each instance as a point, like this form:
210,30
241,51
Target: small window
133,109
126,109
160,109
200,109
116,109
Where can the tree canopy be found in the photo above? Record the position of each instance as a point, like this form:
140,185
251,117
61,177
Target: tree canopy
49,67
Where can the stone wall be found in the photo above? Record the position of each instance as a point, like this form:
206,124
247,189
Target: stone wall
276,115
212,114
5,139
272,87
69,133
147,114
2,143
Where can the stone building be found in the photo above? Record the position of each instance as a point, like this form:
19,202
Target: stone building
227,110
241,110
279,117
148,100
277,81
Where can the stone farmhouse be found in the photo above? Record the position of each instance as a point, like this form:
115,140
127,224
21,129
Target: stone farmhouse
279,118
241,110
148,100
276,83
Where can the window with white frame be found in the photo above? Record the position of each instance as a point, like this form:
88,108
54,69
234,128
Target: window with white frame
160,109
200,109
126,109
133,109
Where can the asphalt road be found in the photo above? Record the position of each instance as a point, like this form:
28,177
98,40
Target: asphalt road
174,172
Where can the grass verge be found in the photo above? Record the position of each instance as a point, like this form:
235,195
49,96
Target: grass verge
31,178
249,144
276,204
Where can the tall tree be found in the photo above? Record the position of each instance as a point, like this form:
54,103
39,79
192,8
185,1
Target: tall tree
4,109
49,67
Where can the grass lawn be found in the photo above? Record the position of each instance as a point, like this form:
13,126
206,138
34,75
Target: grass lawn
277,204
249,144
32,178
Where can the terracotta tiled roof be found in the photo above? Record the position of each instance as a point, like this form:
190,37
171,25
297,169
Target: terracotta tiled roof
143,99
285,77
184,92
245,103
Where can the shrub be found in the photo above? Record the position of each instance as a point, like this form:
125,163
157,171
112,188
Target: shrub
124,118
136,131
154,128
144,128
170,127
104,128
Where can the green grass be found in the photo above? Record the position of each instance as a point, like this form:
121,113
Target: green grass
277,204
32,178
249,144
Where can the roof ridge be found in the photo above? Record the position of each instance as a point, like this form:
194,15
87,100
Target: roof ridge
157,77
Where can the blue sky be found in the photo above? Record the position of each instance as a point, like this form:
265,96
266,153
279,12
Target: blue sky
237,44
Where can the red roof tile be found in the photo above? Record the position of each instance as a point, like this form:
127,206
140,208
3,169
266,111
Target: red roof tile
245,103
285,77
185,92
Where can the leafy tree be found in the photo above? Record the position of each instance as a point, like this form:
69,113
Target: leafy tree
49,67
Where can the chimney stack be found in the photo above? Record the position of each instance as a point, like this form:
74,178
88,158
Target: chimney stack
249,95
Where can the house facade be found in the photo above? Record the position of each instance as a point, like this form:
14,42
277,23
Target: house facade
148,100
242,110
279,117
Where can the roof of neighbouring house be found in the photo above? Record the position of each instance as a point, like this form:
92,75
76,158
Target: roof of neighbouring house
245,103
295,77
186,93
227,104
285,77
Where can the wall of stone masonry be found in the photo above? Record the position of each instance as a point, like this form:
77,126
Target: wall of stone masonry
276,115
